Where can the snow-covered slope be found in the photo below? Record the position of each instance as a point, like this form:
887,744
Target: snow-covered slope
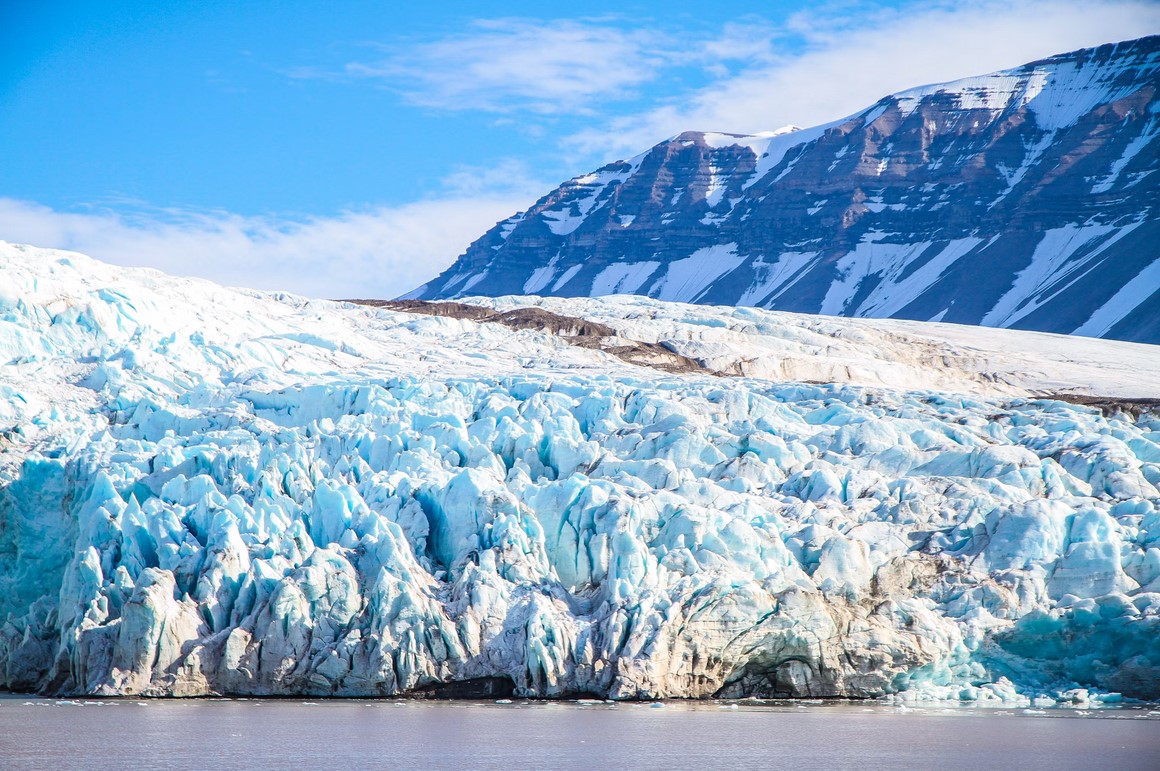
209,490
1026,198
906,355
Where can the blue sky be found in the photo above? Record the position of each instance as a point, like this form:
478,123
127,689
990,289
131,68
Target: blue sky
355,148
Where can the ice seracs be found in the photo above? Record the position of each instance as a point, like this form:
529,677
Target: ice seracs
208,490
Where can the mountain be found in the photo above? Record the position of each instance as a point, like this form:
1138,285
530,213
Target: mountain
215,491
1026,198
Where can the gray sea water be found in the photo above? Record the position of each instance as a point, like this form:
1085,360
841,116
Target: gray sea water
243,734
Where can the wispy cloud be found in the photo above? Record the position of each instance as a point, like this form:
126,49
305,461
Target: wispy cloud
506,65
841,63
381,252
640,81
509,178
549,67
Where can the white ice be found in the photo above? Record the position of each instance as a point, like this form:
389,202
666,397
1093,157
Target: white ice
206,490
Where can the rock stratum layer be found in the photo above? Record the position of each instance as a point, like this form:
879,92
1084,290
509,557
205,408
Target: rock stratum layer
210,491
1026,198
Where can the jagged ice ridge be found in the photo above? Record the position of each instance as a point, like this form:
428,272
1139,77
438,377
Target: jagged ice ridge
206,490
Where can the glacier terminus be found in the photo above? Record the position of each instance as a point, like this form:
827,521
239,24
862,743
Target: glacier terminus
215,491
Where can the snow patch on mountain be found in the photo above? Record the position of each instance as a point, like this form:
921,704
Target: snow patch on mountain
1133,295
622,278
1058,93
689,277
1048,274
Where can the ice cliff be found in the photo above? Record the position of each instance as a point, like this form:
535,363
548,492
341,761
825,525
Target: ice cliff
205,490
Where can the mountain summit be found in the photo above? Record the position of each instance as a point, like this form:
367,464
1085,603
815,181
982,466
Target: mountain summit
1025,198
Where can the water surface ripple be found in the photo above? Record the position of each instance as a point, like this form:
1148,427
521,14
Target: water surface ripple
244,734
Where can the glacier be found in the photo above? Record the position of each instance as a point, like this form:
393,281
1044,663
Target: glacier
217,491
1024,198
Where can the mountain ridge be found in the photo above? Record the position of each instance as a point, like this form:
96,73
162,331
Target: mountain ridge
1025,198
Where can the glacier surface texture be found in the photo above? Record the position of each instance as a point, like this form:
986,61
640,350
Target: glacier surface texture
206,490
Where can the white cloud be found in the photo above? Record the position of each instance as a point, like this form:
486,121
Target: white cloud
380,253
504,65
851,61
509,176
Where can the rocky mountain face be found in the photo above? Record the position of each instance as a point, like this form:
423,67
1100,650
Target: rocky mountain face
1026,198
